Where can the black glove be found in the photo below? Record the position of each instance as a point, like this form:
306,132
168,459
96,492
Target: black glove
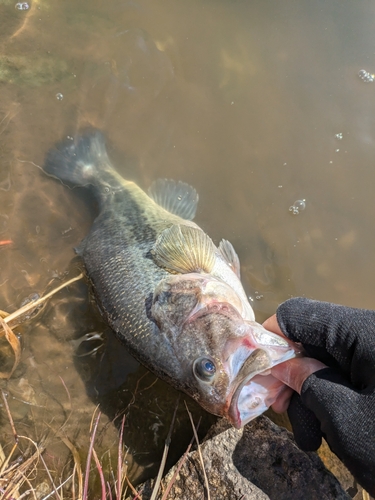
337,403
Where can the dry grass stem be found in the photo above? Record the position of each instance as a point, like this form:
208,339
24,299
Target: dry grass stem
9,416
77,464
14,343
109,491
13,317
58,487
49,476
101,475
199,453
180,464
89,455
2,456
135,492
120,478
17,474
165,454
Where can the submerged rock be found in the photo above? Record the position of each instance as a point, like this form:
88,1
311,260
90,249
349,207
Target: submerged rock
257,462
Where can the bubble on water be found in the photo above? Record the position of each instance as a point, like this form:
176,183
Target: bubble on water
365,76
338,136
259,297
59,96
337,150
297,207
22,6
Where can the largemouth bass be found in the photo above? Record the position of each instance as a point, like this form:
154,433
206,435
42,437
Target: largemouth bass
171,295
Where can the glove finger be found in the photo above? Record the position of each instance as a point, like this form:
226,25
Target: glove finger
346,419
306,427
339,336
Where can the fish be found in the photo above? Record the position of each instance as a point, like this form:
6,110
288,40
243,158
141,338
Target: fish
170,295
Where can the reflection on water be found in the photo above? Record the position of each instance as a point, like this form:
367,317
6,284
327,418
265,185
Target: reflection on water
255,104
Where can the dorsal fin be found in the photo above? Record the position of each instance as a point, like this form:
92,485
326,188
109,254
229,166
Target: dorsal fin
184,249
230,256
177,197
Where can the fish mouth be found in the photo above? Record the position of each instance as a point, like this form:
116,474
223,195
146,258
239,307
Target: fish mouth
255,364
254,389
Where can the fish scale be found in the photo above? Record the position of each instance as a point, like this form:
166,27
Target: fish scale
121,274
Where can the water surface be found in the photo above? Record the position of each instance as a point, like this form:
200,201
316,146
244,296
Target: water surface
257,104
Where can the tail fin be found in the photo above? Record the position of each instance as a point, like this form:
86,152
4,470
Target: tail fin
78,161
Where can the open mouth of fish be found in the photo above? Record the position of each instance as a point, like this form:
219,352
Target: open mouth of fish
253,388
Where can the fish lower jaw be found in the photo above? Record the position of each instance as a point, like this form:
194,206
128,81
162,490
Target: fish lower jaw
254,398
256,393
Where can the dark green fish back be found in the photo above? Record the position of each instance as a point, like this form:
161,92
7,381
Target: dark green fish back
117,251
117,256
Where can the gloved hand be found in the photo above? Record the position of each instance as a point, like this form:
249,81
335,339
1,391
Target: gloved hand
336,402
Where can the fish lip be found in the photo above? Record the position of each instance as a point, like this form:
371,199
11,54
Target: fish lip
257,362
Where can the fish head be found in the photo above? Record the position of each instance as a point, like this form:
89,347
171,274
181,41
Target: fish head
224,361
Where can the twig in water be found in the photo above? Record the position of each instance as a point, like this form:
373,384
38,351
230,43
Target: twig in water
199,452
50,477
31,305
58,487
9,416
165,453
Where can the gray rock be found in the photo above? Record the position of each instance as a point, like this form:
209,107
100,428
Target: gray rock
268,456
258,462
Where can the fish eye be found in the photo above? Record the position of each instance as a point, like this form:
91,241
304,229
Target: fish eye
204,369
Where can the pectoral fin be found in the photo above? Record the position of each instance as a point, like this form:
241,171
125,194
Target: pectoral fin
230,256
176,197
184,249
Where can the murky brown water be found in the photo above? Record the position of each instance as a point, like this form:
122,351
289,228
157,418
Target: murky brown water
243,100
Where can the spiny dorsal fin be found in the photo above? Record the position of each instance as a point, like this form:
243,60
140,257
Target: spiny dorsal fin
230,256
177,197
184,249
